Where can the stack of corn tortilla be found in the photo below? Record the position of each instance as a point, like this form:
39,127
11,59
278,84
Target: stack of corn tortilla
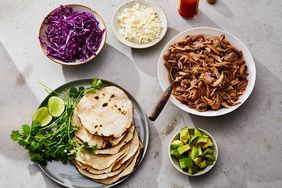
105,119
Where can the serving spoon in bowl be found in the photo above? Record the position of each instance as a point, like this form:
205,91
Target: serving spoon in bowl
157,109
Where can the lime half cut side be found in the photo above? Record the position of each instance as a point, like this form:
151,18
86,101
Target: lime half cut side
56,106
42,116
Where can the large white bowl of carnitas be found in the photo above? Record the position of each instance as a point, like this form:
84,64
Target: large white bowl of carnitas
215,71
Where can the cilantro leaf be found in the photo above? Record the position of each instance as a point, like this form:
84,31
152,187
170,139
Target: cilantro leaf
15,136
26,129
97,84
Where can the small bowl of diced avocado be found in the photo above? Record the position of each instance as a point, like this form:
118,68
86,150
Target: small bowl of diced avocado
193,151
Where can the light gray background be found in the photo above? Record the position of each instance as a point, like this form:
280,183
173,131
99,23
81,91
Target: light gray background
249,139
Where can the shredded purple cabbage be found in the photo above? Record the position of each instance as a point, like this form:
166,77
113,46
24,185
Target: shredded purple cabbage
71,35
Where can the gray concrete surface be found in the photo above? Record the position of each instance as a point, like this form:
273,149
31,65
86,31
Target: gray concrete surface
249,139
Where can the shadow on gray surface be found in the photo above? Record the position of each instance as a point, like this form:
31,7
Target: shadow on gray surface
147,59
110,65
221,7
18,110
201,20
248,137
34,169
151,163
19,104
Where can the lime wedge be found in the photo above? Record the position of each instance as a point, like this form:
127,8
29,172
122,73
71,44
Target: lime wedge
42,116
56,106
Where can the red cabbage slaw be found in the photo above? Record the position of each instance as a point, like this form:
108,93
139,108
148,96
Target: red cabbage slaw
71,35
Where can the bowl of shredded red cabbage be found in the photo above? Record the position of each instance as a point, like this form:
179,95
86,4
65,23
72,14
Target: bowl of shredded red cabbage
72,34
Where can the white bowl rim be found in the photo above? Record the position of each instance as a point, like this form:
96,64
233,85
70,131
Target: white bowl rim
204,171
135,45
210,113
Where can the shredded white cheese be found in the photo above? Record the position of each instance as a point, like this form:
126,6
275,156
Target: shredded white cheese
140,24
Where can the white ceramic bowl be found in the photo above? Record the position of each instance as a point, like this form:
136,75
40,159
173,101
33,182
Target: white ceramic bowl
175,163
116,28
163,74
79,8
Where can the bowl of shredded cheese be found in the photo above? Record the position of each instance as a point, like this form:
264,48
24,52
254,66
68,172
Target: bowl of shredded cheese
139,23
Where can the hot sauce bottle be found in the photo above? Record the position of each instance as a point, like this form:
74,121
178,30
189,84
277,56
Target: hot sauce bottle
188,8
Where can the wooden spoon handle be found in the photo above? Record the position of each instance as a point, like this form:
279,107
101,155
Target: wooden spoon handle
161,103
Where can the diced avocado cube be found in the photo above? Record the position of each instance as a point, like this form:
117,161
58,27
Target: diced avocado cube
197,132
175,154
200,152
205,136
203,164
208,151
183,149
197,161
210,157
209,162
184,135
185,163
194,153
193,170
201,141
182,164
190,171
176,144
208,144
193,140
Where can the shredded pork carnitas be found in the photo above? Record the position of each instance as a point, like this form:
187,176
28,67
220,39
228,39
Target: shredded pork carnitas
211,72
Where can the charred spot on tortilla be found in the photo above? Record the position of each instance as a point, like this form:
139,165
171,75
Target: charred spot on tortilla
105,104
96,97
111,97
108,144
103,94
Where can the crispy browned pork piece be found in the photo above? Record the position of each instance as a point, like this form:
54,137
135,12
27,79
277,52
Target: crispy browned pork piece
213,72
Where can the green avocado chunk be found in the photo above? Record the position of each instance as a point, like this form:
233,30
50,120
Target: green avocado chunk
184,135
197,132
193,170
200,152
193,140
183,149
194,153
208,151
185,163
175,154
201,141
206,136
203,164
208,144
210,157
209,162
197,161
176,144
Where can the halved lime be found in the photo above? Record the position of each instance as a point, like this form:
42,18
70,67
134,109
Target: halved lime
42,116
56,106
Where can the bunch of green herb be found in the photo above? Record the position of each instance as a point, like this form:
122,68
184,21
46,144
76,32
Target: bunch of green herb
55,141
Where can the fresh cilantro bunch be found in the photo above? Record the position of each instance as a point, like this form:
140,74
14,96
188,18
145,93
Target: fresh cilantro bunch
55,141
